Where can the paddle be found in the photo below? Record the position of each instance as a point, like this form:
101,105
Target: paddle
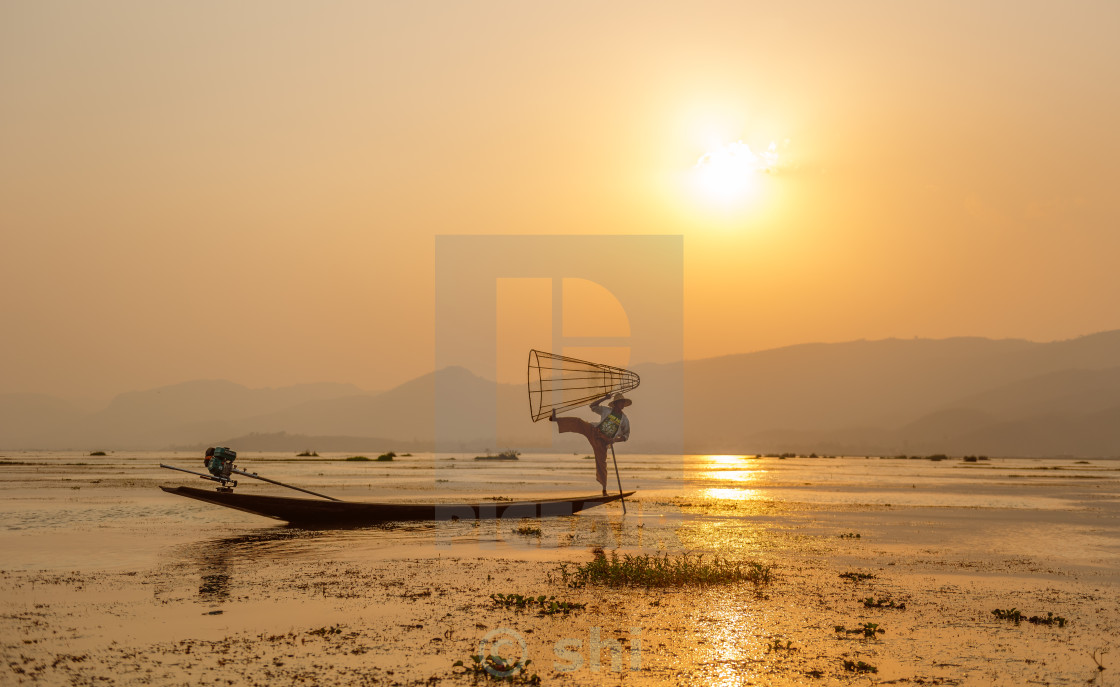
619,479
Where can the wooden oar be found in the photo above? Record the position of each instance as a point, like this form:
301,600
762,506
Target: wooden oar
619,479
272,481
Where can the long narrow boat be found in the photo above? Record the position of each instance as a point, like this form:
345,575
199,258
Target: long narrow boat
355,513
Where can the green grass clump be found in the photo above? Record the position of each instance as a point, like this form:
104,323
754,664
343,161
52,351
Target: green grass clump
358,459
387,456
776,646
865,629
326,631
1016,616
859,667
857,576
664,571
548,604
529,530
871,602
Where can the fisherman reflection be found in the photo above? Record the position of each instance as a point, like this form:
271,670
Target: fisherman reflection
613,426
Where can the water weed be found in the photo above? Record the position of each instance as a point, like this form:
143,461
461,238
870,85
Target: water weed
871,602
865,629
664,571
859,667
548,605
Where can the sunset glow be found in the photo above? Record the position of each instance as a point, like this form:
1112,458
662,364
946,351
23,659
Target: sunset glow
729,172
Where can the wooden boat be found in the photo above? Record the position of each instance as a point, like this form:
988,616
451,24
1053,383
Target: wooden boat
315,512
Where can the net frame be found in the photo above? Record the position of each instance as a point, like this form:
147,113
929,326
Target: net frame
560,383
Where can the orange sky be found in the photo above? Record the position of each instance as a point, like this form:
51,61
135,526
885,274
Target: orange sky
252,190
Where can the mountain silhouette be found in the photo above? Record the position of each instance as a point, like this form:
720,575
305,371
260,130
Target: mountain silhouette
960,395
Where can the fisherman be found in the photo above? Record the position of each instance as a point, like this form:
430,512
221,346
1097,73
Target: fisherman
613,427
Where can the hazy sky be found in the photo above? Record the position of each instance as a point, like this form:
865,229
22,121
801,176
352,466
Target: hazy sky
252,190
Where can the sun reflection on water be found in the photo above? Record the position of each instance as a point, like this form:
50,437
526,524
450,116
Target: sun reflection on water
728,469
734,494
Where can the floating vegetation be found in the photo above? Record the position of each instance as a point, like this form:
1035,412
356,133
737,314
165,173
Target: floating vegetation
776,646
499,669
529,530
850,535
865,629
871,602
504,455
548,605
386,456
859,667
358,459
97,453
326,631
307,454
857,576
664,571
1016,616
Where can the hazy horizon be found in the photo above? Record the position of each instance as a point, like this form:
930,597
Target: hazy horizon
104,399
252,192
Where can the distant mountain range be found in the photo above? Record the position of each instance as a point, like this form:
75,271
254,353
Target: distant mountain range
920,396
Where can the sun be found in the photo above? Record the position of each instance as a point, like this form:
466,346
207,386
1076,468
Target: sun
730,172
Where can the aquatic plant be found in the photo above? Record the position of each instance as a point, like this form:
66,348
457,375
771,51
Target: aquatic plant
857,576
859,667
865,629
307,454
1012,614
548,605
1098,656
326,631
664,571
871,602
1016,616
777,645
1050,619
387,456
499,669
97,453
529,530
850,535
359,459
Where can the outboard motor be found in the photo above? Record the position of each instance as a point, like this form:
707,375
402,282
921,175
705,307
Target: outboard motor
219,461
